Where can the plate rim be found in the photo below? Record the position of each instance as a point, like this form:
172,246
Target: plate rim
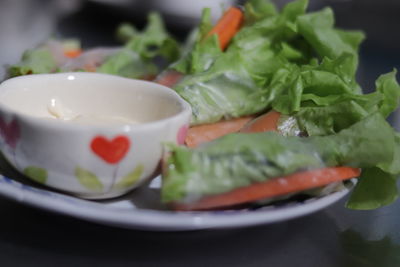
159,220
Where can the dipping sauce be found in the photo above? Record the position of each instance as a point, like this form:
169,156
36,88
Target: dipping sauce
90,99
58,110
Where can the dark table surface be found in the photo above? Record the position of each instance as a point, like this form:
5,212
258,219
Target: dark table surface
334,236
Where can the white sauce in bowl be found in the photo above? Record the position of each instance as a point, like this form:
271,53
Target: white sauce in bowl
58,110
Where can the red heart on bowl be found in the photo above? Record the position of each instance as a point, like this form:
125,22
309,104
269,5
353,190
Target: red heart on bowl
10,132
111,151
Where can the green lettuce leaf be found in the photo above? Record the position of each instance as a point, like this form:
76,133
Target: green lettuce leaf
318,29
137,58
256,10
318,85
238,160
126,32
221,93
269,63
330,114
389,89
127,63
34,61
375,188
201,53
154,40
393,167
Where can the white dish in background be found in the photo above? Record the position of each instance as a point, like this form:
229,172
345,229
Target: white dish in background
142,210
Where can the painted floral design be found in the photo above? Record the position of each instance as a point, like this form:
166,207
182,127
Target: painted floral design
131,178
111,151
88,179
10,132
37,174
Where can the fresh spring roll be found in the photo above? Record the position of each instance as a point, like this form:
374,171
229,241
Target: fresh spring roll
135,59
241,160
47,58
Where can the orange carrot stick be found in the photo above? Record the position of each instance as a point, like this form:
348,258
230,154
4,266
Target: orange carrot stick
169,78
264,123
228,25
275,187
225,29
72,53
207,132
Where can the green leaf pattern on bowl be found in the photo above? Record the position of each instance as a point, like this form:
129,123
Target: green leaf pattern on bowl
88,179
37,174
131,178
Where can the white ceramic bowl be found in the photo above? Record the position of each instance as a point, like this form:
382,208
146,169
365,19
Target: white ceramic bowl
108,139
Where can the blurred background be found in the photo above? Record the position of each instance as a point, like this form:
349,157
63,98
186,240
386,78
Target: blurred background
26,23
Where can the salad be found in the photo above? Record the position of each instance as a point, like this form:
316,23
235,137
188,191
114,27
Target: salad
277,110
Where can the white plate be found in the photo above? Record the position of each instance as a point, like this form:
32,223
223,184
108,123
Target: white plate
142,210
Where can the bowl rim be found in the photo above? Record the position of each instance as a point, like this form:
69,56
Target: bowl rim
185,108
